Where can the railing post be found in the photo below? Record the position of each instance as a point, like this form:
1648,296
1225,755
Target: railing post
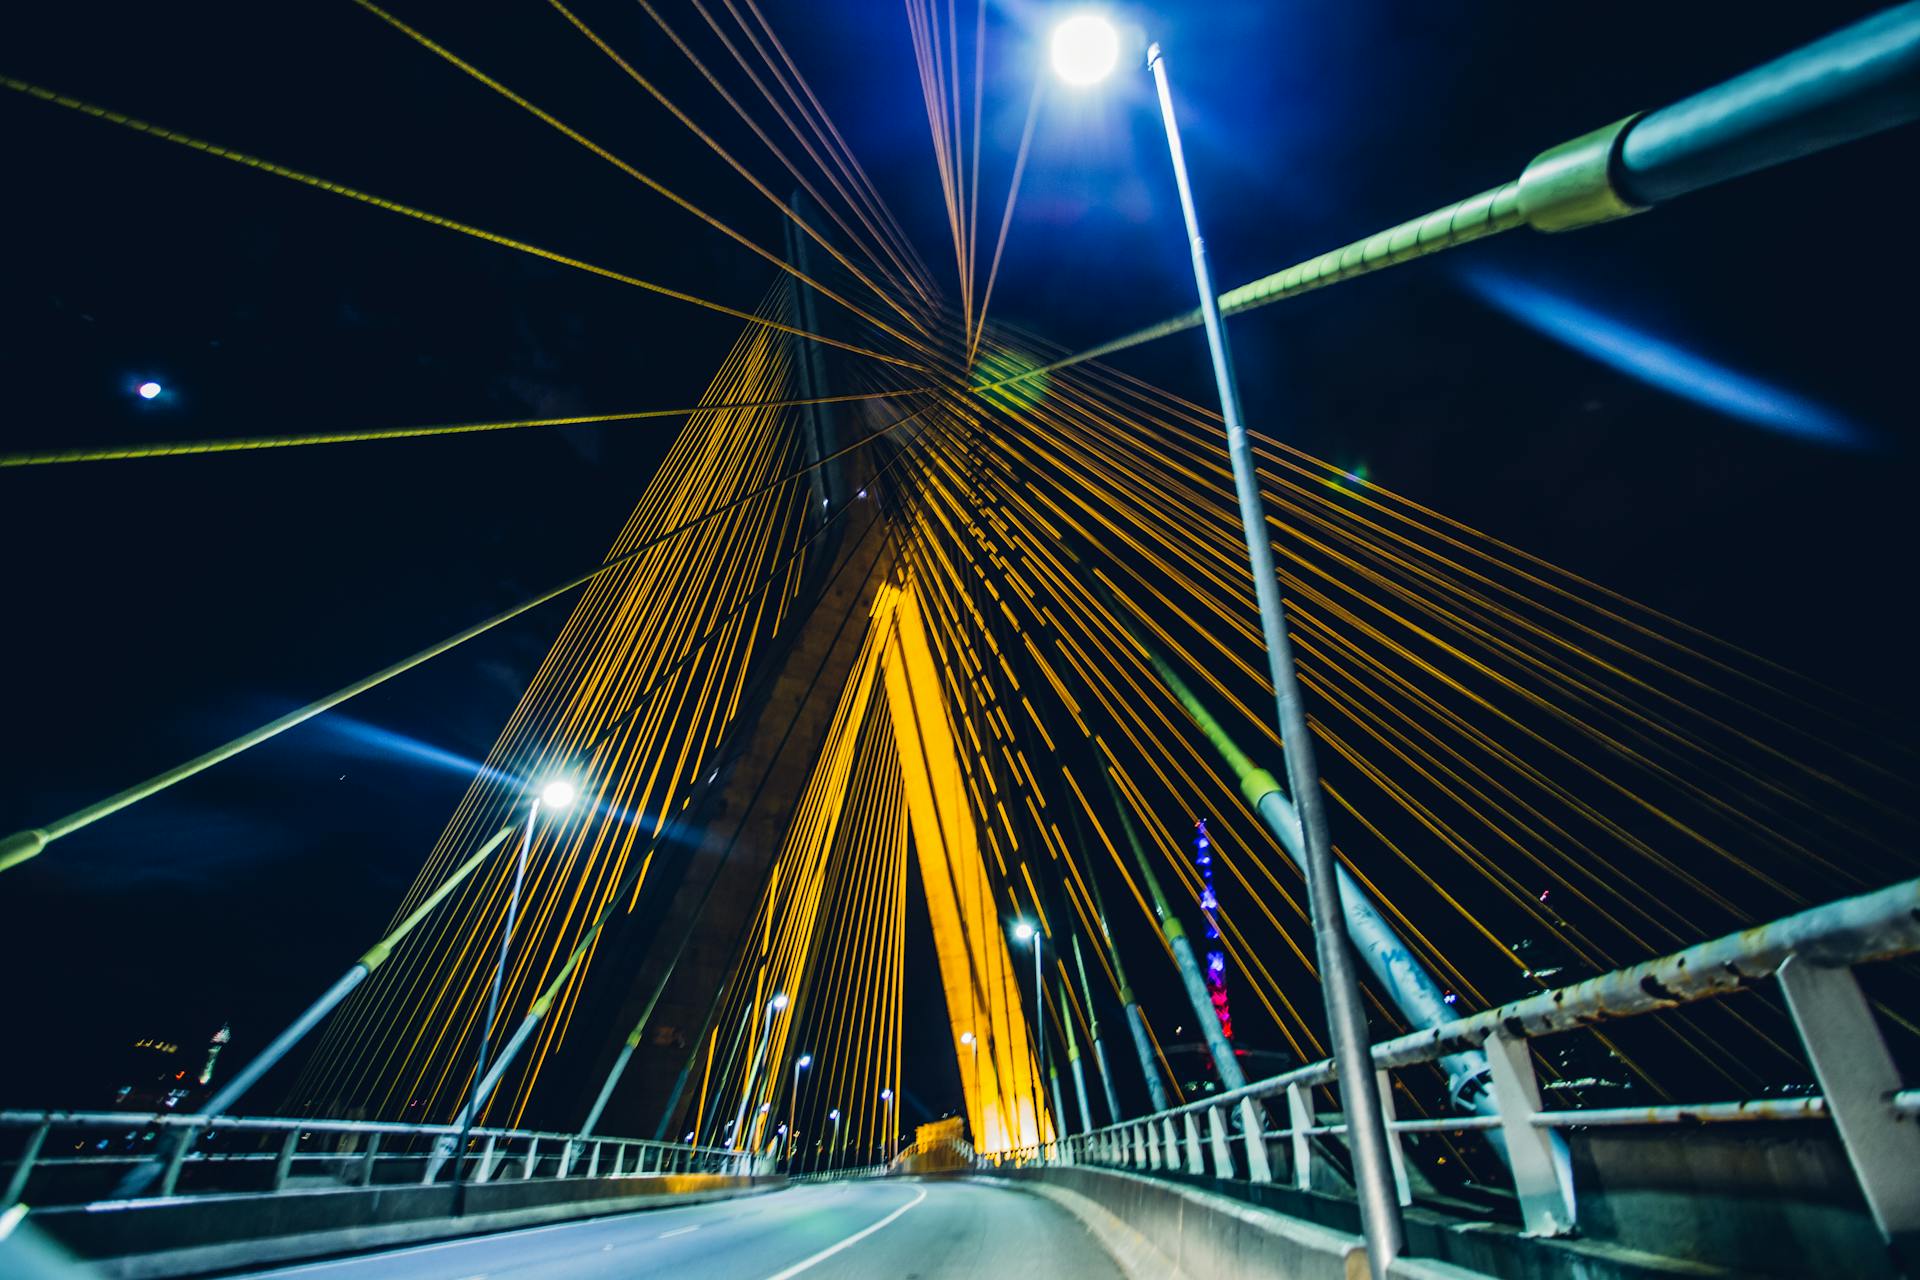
1153,1145
363,1176
175,1158
1217,1135
1170,1144
1195,1164
1383,1085
1546,1203
593,1162
1858,1079
1251,1127
533,1158
1139,1146
568,1150
486,1161
283,1163
17,1184
1299,1120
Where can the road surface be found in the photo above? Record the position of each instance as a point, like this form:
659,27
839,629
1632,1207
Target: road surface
888,1228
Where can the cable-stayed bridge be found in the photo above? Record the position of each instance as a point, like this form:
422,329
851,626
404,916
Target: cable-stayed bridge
1406,903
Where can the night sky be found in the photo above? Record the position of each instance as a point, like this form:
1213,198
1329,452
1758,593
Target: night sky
155,608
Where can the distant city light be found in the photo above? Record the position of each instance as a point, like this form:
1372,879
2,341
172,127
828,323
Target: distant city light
1085,49
148,390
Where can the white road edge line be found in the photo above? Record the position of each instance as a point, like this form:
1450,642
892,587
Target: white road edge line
678,1231
849,1242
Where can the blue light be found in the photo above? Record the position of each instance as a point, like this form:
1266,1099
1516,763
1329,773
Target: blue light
1660,363
373,741
148,390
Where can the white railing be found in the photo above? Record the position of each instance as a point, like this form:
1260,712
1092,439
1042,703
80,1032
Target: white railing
222,1153
1811,956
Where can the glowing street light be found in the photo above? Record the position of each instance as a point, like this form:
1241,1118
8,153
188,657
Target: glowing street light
893,1139
148,390
557,795
1085,48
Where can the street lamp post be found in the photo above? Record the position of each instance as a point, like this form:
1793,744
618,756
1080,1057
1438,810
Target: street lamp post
972,1042
774,1005
556,795
1085,49
1025,932
800,1064
886,1115
833,1153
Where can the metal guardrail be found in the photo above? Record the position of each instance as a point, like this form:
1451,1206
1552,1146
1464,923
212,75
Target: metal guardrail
350,1152
1812,955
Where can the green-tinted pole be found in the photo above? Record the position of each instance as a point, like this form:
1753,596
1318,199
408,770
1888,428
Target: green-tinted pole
139,1179
1093,1033
1175,933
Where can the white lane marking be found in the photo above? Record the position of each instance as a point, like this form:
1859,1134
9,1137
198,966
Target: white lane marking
668,1235
849,1242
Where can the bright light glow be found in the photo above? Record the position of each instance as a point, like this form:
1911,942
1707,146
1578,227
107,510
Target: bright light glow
886,1095
1024,931
834,1115
1085,49
966,1037
148,390
1660,363
806,1060
778,1002
557,795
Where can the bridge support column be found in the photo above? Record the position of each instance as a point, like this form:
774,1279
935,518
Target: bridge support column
363,1176
1858,1078
283,1163
1217,1134
1384,1083
1299,1120
1253,1130
1546,1196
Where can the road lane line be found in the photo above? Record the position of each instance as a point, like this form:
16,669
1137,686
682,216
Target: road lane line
848,1243
668,1235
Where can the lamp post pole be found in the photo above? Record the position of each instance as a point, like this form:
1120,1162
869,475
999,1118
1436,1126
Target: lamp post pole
972,1042
1366,1129
557,795
800,1064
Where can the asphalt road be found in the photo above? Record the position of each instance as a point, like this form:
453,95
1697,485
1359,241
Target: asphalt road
889,1228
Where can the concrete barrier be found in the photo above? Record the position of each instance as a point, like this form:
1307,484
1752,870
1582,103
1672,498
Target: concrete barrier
1179,1228
187,1235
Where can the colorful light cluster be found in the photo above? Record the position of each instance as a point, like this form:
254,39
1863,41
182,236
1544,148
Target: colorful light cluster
1216,959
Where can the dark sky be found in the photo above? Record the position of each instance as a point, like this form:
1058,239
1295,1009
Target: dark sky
154,608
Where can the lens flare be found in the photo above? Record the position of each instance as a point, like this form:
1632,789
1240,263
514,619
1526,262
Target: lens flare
1660,363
